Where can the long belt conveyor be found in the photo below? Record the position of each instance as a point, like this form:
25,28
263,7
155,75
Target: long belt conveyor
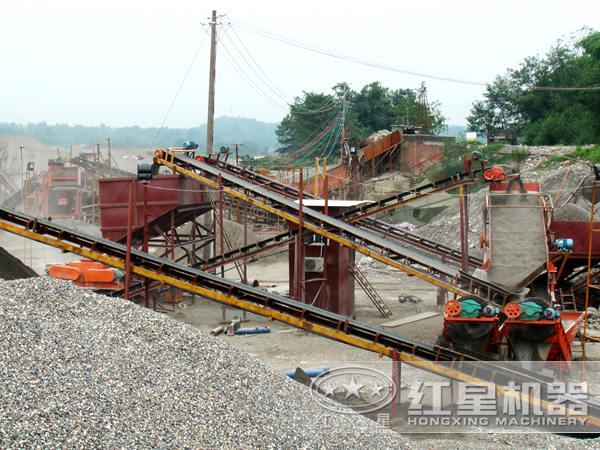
284,189
364,241
219,289
462,367
446,254
358,216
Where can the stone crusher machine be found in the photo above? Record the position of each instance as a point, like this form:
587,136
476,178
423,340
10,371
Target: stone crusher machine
529,326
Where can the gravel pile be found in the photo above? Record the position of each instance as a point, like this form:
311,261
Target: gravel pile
11,268
82,370
593,319
377,135
445,227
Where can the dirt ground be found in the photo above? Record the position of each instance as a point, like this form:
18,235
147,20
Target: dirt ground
287,347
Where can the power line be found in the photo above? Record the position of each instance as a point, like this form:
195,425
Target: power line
353,59
327,106
317,141
267,82
586,88
256,73
178,91
249,80
275,88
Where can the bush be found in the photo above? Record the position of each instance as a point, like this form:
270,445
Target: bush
453,158
591,154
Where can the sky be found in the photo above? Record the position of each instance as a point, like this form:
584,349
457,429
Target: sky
122,63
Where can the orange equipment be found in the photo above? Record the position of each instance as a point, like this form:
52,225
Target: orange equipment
88,274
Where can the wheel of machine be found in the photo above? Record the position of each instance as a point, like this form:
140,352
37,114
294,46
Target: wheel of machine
453,308
512,310
533,332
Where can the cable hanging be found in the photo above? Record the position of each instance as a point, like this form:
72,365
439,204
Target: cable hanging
353,59
178,91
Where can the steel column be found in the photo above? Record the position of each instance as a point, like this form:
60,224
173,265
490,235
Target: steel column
146,280
128,256
299,249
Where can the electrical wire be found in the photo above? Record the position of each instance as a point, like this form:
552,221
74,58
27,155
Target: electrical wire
316,142
586,88
323,108
249,80
255,71
353,59
314,137
274,87
268,83
178,91
327,133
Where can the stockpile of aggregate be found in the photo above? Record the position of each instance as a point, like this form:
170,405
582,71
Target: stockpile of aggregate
83,370
11,268
557,181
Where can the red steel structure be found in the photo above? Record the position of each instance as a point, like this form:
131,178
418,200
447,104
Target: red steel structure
323,272
168,202
165,214
59,193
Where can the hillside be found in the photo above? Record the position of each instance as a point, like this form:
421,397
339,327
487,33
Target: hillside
257,137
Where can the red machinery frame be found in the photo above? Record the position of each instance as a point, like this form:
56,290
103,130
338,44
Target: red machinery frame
453,308
561,339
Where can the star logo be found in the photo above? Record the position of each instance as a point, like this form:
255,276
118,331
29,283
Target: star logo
375,390
352,388
329,390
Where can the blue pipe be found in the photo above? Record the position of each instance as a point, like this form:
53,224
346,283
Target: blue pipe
312,372
253,330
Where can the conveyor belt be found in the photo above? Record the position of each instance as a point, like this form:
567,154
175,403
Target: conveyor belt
364,241
424,356
389,231
194,280
362,211
359,215
99,169
284,189
432,248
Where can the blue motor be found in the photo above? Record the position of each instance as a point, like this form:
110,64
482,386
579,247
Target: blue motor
190,145
564,244
551,314
490,311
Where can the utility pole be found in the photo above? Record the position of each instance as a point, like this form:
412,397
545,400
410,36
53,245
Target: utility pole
210,123
109,157
22,181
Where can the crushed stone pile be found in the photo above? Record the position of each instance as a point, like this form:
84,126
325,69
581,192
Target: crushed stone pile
374,137
11,268
557,182
83,370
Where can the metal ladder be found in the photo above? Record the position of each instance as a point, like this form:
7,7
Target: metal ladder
368,288
567,300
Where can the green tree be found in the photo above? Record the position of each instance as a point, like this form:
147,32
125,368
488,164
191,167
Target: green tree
308,117
522,101
373,108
